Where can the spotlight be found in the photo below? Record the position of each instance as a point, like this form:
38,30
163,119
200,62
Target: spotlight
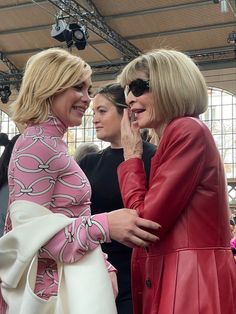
58,30
79,35
232,38
5,92
71,34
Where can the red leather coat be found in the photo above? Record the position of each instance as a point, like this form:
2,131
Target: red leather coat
191,269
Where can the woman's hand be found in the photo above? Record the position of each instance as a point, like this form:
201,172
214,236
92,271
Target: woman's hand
130,137
126,227
114,283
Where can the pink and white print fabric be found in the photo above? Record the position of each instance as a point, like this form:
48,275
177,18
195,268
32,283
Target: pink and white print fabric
42,171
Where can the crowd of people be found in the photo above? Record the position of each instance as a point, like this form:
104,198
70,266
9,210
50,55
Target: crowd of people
159,212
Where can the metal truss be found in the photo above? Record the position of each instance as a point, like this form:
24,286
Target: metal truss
205,58
9,64
13,77
93,21
96,23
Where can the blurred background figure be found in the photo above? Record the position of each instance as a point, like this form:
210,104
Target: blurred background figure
4,162
101,170
233,239
145,135
84,149
233,217
232,227
153,137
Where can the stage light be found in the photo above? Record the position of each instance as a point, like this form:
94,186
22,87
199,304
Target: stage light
5,92
72,34
79,35
232,38
59,29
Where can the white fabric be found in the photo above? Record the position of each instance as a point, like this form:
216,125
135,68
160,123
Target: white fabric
84,287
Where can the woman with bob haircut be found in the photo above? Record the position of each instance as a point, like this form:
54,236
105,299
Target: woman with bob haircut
49,219
191,269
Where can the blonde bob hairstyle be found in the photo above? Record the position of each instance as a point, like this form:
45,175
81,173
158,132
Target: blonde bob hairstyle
47,73
177,85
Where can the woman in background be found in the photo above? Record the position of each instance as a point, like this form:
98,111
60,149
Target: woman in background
4,162
101,170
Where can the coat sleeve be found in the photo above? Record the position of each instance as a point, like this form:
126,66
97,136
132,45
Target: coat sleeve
175,173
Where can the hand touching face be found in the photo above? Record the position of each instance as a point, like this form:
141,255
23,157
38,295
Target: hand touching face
130,137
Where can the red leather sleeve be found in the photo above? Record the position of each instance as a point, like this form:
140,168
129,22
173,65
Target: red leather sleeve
175,172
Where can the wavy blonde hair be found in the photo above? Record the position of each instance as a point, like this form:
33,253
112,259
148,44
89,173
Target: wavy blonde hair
177,85
47,73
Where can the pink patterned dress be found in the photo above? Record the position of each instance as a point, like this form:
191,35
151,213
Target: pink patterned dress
42,171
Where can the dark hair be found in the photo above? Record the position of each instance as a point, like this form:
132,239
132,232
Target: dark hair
233,249
145,135
115,93
6,156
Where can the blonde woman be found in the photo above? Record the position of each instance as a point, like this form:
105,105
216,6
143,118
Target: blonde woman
191,269
54,95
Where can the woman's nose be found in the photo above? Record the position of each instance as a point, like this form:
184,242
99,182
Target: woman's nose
130,99
95,119
86,98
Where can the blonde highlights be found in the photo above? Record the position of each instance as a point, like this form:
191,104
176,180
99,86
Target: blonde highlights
47,73
176,83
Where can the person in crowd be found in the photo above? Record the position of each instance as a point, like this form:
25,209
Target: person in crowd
233,237
186,193
83,149
54,95
4,162
153,137
233,216
145,134
232,228
101,170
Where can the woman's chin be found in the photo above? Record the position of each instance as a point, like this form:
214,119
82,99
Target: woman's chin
143,124
74,123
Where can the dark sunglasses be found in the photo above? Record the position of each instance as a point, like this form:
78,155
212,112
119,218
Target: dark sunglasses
138,87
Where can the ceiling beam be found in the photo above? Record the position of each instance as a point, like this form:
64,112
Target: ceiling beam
119,15
207,59
130,37
159,9
111,75
10,7
215,50
26,29
182,30
12,68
